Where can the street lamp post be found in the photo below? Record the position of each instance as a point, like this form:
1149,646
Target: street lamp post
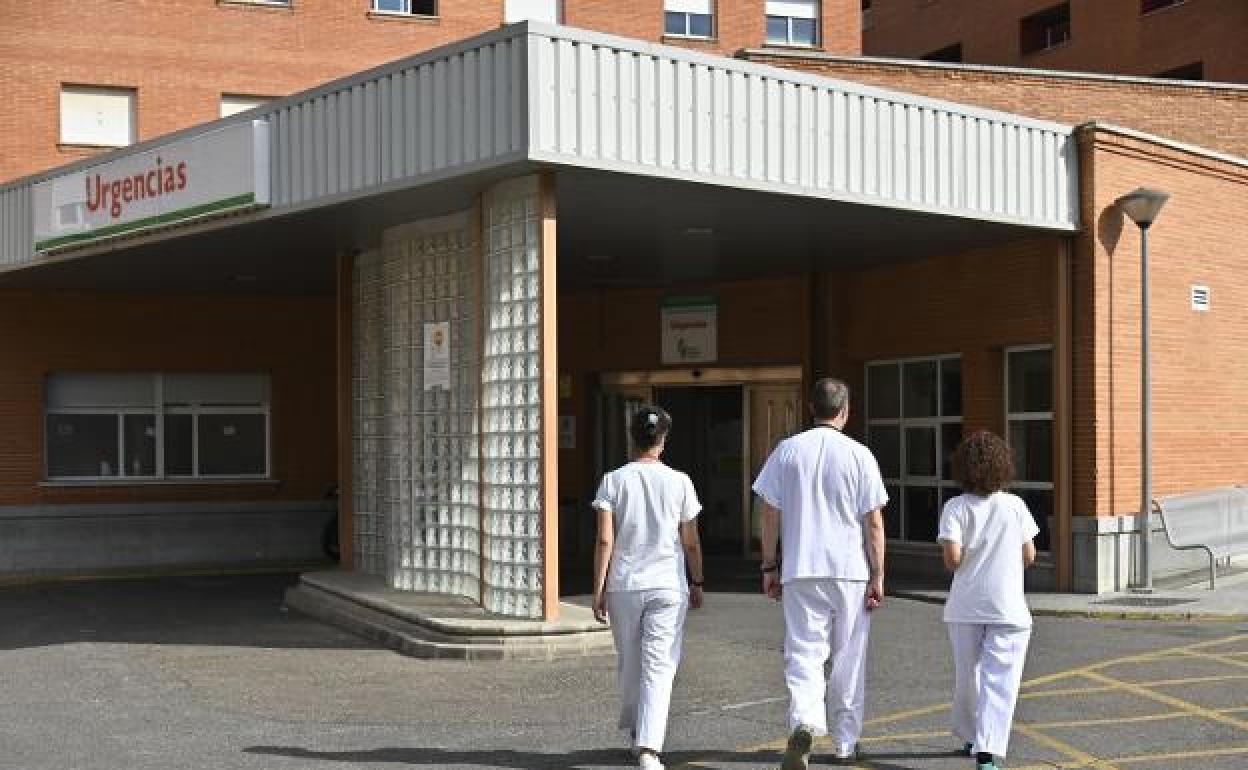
1142,206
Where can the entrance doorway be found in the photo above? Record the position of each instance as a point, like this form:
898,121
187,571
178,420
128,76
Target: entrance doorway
726,422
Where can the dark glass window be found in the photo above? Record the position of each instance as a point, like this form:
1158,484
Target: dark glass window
1043,30
950,53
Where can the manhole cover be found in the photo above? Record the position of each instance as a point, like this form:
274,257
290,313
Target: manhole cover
1144,601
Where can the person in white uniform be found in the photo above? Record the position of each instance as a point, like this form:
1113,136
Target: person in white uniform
647,533
822,502
986,535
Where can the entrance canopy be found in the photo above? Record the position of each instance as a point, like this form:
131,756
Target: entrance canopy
715,138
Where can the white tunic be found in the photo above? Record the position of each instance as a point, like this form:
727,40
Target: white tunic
649,501
824,483
988,586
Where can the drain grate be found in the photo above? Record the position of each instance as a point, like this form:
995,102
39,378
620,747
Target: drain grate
1144,601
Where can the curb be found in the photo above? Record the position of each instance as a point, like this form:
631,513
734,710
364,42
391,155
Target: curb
1087,614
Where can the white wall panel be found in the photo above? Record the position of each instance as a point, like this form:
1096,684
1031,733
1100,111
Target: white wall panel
736,123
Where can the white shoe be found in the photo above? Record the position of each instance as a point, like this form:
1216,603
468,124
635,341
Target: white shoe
649,762
846,751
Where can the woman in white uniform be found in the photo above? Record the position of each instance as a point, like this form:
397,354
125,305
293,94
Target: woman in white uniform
986,536
646,532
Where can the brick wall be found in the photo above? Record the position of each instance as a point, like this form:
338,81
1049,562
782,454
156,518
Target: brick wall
182,55
1199,360
290,339
1106,35
1211,117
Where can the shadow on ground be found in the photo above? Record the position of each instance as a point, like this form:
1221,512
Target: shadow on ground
531,760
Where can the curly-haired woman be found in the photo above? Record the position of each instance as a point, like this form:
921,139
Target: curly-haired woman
986,535
646,532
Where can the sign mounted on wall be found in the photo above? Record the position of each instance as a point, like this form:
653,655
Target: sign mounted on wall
438,355
210,174
690,330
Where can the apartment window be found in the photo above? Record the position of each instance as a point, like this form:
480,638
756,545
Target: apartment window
152,426
689,18
1029,425
407,7
914,422
1148,6
232,104
1043,30
793,22
1193,71
950,53
550,11
867,19
101,117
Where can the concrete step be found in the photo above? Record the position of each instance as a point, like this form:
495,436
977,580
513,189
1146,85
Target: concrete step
436,626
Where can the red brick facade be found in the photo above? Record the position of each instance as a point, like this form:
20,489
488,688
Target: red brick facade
1105,35
180,56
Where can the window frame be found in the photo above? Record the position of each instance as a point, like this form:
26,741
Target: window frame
158,410
1148,7
789,42
902,422
409,13
131,93
1038,25
1046,416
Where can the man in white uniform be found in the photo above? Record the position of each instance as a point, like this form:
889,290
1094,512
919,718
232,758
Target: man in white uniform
823,497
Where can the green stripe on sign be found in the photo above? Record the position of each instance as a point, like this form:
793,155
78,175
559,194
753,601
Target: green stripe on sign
238,201
693,301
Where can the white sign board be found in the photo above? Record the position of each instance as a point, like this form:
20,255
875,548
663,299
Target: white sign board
226,169
690,330
438,355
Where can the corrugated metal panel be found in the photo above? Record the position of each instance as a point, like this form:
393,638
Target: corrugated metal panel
16,226
607,103
444,113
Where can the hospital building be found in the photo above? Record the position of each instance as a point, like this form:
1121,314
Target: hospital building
436,270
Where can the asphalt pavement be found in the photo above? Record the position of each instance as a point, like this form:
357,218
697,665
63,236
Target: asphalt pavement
212,673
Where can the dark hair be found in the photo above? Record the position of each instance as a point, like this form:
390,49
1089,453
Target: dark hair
983,463
828,398
649,426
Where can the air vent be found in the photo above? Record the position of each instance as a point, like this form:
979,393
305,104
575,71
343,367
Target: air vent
1200,298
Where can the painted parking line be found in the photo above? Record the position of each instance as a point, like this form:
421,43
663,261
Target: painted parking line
1076,758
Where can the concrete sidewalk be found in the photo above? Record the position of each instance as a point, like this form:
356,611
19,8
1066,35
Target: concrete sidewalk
1228,603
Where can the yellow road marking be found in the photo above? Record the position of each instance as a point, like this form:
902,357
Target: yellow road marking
1224,659
1169,700
1224,752
1085,759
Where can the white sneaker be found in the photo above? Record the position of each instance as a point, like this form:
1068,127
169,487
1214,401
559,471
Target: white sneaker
846,751
649,762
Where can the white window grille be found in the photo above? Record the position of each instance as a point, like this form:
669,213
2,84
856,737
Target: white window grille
689,18
1029,429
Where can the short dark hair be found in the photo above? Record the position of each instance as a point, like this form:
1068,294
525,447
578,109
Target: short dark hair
828,398
649,426
983,463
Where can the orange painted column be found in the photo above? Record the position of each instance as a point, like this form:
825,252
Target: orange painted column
550,400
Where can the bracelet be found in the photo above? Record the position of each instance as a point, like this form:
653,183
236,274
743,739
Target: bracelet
696,583
771,568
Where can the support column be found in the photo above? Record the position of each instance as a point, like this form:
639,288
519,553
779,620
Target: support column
1063,415
550,400
345,363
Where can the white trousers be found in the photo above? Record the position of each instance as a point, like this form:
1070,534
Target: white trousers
648,627
988,665
826,626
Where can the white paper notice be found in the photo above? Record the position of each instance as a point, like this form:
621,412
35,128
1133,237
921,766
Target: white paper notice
438,355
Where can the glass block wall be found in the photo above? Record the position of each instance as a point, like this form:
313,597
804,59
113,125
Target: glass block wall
511,422
416,464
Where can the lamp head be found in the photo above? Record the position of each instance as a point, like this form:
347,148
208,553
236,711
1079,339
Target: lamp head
1143,205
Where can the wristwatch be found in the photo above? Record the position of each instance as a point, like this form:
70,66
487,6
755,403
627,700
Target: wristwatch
773,567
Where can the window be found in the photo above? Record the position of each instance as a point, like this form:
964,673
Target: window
689,18
914,422
1043,30
407,7
867,19
1193,71
232,104
1148,6
100,117
1029,425
950,53
549,11
793,22
145,426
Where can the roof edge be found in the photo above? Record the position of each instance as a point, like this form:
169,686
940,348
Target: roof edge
1161,141
995,69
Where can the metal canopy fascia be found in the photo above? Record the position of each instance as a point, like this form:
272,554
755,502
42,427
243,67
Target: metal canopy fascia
533,92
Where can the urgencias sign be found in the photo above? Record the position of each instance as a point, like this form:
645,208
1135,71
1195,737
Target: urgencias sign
223,170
